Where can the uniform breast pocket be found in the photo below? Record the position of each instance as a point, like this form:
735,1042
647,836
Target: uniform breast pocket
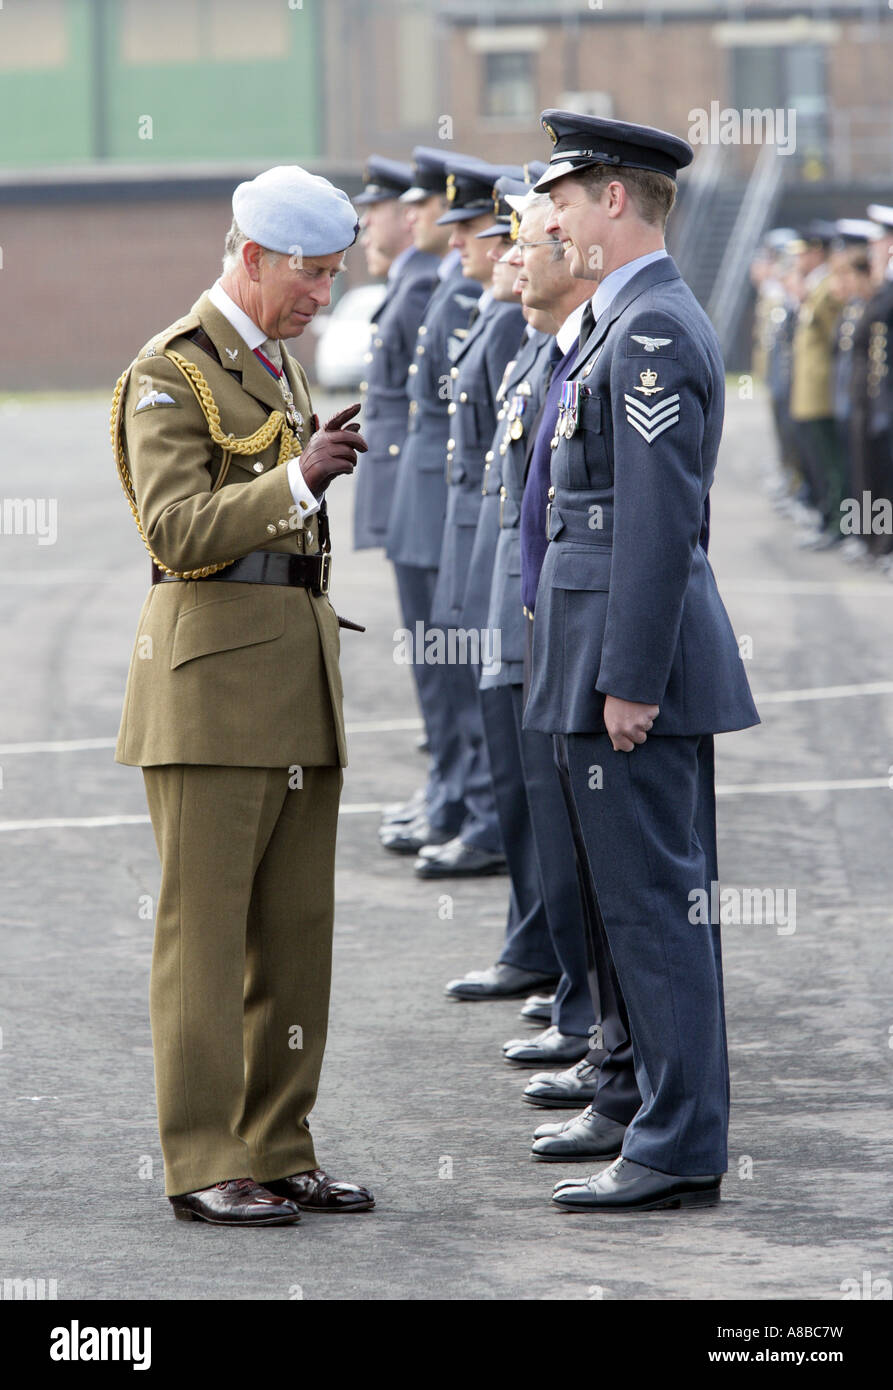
582,460
475,420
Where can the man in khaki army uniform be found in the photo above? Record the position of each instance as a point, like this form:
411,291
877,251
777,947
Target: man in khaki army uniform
233,709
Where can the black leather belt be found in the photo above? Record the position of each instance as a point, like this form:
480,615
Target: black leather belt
269,567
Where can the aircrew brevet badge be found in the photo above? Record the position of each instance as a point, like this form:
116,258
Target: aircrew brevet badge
155,398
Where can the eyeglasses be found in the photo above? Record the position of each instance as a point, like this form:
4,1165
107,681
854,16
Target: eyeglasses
525,245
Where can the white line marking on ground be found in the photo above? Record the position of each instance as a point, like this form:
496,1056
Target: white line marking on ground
824,692
371,808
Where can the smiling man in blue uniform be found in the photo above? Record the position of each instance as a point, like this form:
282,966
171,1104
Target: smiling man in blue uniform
635,664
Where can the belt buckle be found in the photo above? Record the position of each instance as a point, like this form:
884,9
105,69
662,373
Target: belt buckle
325,571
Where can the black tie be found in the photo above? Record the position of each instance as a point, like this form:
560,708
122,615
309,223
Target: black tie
587,323
555,356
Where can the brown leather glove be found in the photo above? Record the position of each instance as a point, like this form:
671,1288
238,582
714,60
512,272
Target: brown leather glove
332,450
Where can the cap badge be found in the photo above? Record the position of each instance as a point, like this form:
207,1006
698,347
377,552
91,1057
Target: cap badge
551,132
451,189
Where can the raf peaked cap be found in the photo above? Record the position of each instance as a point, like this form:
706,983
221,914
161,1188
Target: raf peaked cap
288,209
881,215
582,141
854,231
506,186
469,187
384,179
429,174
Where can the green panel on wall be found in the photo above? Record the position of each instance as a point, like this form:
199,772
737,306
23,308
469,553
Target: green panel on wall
205,108
45,111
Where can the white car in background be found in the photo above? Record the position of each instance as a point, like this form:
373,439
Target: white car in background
344,335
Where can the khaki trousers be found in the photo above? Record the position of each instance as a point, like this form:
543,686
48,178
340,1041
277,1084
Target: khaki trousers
241,969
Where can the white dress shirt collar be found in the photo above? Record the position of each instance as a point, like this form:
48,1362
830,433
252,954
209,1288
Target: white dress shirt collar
246,328
569,331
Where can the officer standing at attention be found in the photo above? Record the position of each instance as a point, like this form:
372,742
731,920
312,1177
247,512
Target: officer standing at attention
635,663
233,708
415,529
411,276
527,955
476,375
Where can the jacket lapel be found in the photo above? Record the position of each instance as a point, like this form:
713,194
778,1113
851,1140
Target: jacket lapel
236,356
654,274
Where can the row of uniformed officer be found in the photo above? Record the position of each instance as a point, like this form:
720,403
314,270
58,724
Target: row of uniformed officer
633,663
822,321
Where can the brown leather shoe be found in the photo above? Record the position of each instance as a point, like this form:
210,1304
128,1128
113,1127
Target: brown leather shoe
316,1191
238,1202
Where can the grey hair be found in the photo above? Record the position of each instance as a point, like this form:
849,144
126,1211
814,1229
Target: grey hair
232,248
537,201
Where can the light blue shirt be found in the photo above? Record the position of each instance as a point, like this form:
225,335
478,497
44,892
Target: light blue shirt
398,263
610,287
448,264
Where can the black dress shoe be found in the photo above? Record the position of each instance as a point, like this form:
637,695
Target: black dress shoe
563,1090
629,1186
238,1202
316,1191
455,859
402,812
408,837
422,745
501,981
548,1046
538,1008
589,1135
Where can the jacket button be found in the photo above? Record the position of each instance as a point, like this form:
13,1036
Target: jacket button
283,524
421,349
452,408
488,456
451,443
378,342
364,386
258,467
413,368
422,330
454,372
393,449
463,396
271,529
367,356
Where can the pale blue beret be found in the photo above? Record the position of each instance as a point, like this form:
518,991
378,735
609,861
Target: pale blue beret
288,209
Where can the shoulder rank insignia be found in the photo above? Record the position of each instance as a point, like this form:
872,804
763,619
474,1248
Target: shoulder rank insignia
652,420
153,398
639,343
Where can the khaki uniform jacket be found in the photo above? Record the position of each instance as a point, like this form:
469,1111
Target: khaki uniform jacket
223,673
812,353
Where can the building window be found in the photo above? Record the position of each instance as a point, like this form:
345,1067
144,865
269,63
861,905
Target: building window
509,89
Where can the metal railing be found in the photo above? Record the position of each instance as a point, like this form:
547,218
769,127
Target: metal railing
729,293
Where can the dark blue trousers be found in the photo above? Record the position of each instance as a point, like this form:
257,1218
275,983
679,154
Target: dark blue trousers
650,840
528,942
555,864
443,792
